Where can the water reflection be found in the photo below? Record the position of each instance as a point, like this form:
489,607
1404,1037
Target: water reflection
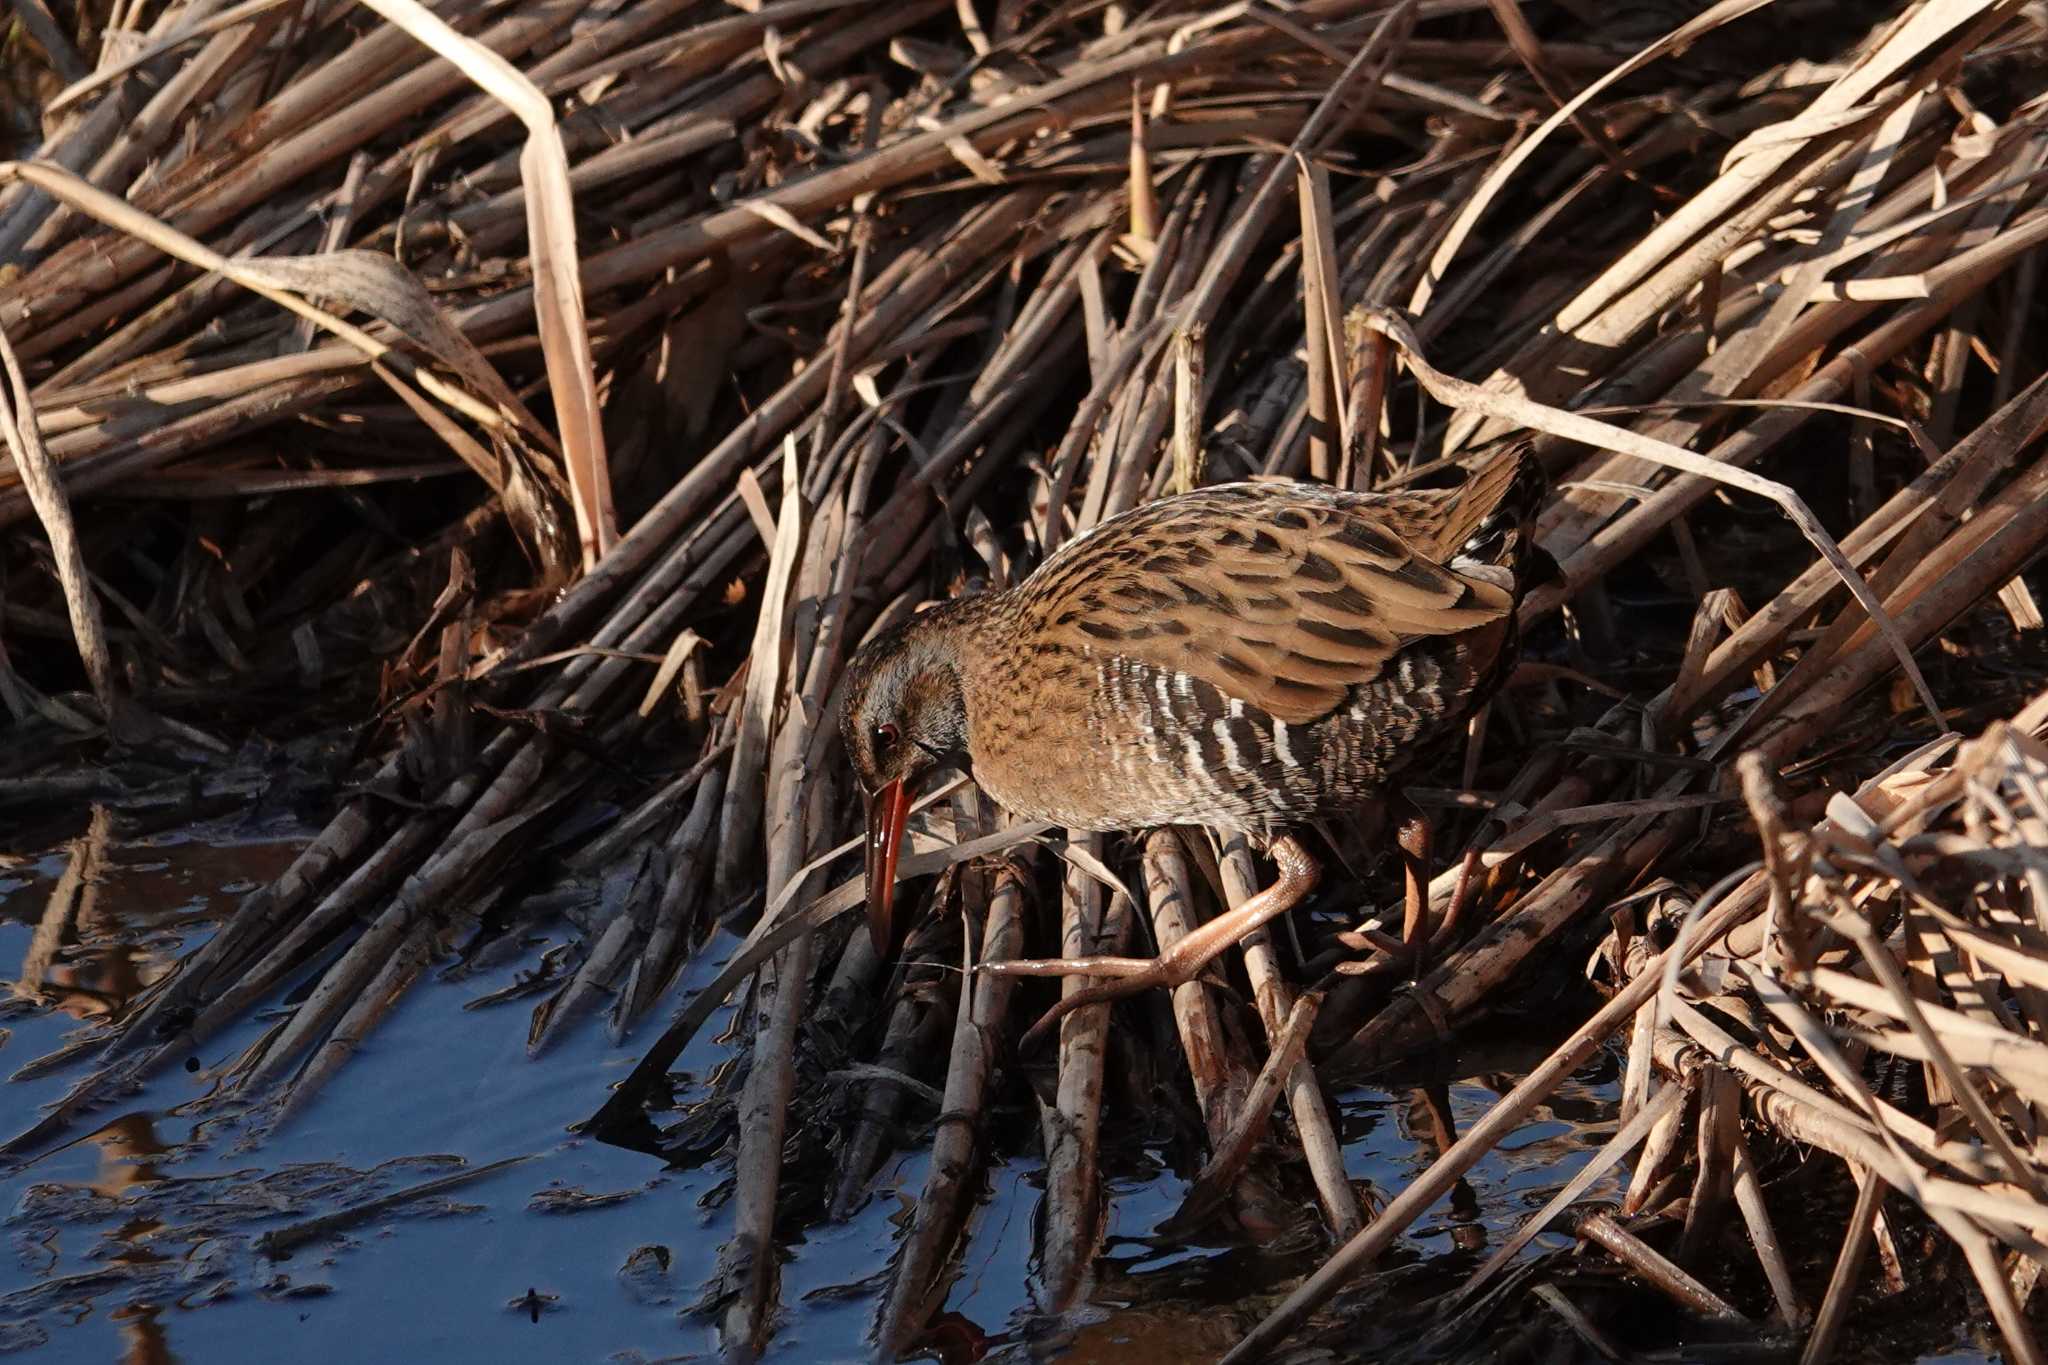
142,1329
110,926
103,1232
1430,1123
72,911
127,1146
157,1214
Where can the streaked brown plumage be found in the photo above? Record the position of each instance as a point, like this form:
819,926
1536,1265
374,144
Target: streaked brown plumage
1248,656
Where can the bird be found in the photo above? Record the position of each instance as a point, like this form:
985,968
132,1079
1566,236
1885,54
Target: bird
1260,657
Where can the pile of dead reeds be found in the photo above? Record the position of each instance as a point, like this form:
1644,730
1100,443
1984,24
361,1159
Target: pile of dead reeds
846,304
1906,926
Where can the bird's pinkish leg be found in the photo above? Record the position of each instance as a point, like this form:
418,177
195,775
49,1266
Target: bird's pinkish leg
1181,963
1461,896
1413,838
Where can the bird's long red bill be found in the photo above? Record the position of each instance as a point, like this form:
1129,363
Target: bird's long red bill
887,811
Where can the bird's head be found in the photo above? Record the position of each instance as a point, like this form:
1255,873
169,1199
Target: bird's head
903,719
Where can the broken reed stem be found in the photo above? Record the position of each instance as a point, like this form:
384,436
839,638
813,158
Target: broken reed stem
1219,1078
1848,1271
910,1031
959,1150
688,866
1666,1275
1713,1166
1275,998
749,1267
32,462
397,974
1231,1151
1828,887
1763,1237
1092,923
1667,1102
1422,1192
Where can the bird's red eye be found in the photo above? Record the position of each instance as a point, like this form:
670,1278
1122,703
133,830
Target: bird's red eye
883,737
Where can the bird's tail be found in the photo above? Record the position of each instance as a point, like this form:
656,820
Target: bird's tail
1494,518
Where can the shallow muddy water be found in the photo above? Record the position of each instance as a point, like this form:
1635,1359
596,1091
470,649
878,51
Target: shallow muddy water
142,1238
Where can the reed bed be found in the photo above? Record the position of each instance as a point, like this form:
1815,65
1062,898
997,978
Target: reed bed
562,392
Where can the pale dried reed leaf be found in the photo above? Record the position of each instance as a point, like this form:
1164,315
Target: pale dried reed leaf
672,662
461,442
1734,365
1082,857
1851,819
1144,200
970,27
527,505
1878,289
1956,1026
2017,964
756,501
1866,243
117,213
1811,124
740,829
551,237
1323,313
366,282
564,337
1459,394
787,221
1189,359
2000,1205
978,166
1843,1076
1902,46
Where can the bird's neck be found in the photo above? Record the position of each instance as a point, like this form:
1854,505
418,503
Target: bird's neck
944,642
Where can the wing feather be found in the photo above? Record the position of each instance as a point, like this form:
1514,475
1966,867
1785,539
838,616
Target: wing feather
1284,596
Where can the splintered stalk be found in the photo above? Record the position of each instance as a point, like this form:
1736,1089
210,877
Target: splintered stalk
1092,922
959,1147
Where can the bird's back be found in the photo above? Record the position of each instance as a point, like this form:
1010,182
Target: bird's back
1249,655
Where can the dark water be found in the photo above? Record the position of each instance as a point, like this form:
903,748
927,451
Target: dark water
138,1240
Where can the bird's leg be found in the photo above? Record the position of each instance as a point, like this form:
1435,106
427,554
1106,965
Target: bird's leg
1461,895
1413,838
1181,963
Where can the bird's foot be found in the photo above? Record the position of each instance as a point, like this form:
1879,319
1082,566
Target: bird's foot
1181,963
1132,974
1156,973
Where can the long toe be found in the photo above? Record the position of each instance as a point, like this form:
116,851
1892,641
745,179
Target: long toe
1093,995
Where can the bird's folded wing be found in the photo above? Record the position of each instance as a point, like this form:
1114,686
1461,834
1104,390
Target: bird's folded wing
1284,601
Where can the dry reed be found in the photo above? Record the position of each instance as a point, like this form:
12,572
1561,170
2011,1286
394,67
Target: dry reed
756,328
